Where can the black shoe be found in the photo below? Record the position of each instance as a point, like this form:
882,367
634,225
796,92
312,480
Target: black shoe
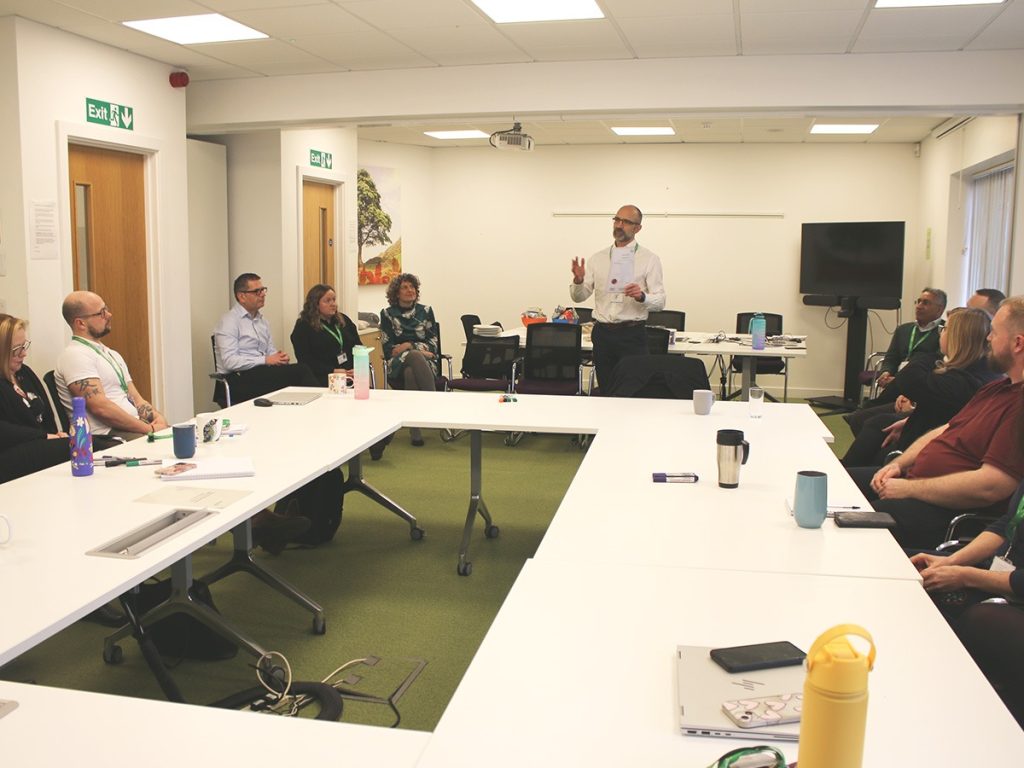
377,449
274,531
417,442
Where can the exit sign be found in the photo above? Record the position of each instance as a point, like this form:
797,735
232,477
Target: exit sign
105,113
319,159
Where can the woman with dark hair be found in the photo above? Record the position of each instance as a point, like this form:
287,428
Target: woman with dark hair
929,396
323,337
409,339
26,419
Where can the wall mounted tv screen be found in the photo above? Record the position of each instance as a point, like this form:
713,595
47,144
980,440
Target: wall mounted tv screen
860,258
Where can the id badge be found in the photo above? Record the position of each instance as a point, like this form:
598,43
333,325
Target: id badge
1001,565
342,358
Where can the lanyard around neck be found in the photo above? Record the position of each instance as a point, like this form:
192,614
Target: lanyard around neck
118,371
915,344
611,248
1011,527
335,332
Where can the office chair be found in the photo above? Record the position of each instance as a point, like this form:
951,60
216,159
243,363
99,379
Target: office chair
657,344
468,321
488,365
585,314
221,387
50,379
768,365
667,318
552,364
664,377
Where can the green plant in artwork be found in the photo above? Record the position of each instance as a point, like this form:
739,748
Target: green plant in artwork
374,222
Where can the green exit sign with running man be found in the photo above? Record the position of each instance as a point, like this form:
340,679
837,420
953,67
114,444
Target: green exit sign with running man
105,113
319,159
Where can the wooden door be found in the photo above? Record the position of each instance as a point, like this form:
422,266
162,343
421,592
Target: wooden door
317,234
108,220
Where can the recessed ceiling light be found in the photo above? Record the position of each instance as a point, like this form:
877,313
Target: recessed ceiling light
931,3
513,11
844,128
457,134
645,131
191,30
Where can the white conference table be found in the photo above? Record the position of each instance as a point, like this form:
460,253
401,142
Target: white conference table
54,726
714,345
614,513
578,669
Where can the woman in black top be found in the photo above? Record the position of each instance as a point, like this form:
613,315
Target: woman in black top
323,337
26,420
929,397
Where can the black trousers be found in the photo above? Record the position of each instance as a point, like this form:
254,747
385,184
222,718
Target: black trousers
263,379
612,342
866,449
994,635
26,458
919,524
859,418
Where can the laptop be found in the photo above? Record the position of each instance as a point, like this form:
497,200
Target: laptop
703,686
294,398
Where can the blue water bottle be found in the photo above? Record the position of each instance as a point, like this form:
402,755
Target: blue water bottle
757,331
80,438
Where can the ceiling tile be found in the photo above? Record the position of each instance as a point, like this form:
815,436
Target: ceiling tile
1007,31
478,44
639,9
401,14
789,6
301,20
569,40
915,26
251,53
681,36
128,10
219,71
369,50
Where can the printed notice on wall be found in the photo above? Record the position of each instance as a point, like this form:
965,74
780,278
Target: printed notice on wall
44,230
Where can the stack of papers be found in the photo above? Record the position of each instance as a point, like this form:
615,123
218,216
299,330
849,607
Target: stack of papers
206,469
486,330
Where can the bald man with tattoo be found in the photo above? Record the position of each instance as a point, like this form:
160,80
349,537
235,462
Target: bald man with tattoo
90,369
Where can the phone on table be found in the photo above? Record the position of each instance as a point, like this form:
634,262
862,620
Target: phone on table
175,469
744,658
766,710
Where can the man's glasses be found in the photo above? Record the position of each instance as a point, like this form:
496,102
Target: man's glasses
617,220
103,311
21,349
256,291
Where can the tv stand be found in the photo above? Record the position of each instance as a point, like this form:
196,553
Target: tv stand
855,310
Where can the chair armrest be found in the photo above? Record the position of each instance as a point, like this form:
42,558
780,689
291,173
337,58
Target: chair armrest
448,359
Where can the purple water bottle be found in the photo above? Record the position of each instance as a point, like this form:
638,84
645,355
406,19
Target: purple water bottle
80,438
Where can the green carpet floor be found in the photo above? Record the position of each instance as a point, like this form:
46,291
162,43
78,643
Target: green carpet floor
383,594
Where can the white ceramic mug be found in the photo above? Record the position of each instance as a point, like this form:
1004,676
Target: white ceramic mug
337,383
6,532
703,399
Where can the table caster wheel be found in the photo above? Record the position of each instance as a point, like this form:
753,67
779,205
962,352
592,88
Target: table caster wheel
113,654
465,569
492,531
319,625
416,533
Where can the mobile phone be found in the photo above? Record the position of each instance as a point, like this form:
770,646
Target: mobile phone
766,710
175,469
744,658
864,519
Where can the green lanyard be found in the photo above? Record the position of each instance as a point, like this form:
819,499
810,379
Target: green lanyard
913,335
335,333
106,356
1011,527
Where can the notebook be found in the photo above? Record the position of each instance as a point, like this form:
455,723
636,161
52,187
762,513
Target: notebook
207,469
703,686
294,398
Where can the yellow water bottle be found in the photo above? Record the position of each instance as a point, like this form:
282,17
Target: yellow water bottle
835,705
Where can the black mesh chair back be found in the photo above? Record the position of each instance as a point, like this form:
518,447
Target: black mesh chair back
468,321
50,380
668,377
768,365
552,362
668,318
772,323
658,340
221,387
488,364
585,314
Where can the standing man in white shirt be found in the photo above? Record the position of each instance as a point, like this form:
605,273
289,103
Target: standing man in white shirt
246,349
90,369
628,284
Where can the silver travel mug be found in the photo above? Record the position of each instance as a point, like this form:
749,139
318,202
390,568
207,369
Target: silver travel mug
733,452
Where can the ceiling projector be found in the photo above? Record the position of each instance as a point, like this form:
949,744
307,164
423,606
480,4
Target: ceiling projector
513,139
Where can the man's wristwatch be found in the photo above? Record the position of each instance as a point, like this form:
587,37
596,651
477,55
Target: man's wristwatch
643,297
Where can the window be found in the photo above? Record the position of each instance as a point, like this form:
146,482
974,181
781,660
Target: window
988,229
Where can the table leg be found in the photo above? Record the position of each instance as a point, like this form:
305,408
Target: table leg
355,482
476,503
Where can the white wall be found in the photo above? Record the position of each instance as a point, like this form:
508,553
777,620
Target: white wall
208,257
13,285
485,239
55,72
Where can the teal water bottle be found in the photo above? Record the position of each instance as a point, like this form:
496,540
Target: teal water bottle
80,438
757,331
362,371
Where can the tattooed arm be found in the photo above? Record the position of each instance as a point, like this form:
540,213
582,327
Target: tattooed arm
147,412
103,409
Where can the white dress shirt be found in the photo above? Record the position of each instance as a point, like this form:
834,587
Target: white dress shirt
610,304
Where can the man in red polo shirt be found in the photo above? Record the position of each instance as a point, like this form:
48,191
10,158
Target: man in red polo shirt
973,463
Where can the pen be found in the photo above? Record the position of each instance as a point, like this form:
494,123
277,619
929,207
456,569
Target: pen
153,436
143,462
674,477
832,507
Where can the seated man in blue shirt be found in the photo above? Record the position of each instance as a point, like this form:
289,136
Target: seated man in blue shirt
246,350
